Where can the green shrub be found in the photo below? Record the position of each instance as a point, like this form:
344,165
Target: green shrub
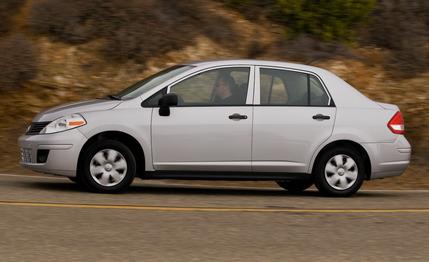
326,19
329,20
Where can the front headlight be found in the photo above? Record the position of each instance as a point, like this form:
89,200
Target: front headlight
64,123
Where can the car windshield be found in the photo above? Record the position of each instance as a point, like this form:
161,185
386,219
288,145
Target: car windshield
152,81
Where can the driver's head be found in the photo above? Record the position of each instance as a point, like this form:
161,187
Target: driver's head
223,85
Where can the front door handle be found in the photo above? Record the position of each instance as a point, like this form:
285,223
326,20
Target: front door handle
321,117
237,116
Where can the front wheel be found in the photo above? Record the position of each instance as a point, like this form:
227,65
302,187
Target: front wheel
108,166
339,172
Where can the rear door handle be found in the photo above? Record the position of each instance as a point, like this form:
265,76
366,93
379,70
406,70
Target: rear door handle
321,117
237,116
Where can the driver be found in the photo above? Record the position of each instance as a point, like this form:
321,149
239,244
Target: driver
223,90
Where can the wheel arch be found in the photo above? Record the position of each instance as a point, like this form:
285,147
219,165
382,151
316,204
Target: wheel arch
350,144
123,137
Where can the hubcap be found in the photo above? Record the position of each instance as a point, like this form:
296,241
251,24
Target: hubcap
108,167
341,172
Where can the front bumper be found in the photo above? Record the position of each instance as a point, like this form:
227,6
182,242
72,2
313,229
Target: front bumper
389,159
64,149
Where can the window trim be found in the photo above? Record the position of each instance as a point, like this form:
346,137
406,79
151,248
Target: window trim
257,86
250,87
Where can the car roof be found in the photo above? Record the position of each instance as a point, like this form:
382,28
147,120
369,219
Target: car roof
208,63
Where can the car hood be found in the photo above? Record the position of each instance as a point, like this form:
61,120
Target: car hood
78,107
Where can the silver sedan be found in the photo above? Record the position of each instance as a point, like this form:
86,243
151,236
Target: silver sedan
227,120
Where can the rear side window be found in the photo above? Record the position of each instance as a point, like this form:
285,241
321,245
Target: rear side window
289,88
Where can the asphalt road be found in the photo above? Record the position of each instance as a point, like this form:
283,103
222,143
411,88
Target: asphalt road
52,219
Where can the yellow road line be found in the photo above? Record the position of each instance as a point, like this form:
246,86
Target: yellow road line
211,209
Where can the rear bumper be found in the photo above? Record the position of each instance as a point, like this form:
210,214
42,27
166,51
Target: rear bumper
64,149
389,159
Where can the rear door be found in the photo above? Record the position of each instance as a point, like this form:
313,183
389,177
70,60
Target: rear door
206,131
293,115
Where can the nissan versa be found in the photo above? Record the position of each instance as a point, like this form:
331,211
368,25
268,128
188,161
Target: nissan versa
228,120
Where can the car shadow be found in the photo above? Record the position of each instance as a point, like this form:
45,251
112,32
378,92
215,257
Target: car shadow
218,190
172,189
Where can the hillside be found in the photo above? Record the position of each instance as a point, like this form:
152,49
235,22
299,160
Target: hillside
56,61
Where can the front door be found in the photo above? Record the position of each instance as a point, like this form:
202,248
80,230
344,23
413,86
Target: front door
211,128
294,116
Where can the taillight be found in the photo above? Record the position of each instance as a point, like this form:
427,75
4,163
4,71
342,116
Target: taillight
396,124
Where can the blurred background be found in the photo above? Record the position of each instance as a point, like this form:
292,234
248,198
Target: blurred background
58,51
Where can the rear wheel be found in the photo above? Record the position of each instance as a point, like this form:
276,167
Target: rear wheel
108,166
339,172
295,186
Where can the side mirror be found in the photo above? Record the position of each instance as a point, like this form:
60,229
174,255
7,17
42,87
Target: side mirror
166,102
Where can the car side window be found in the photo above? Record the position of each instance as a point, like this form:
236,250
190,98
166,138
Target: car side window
274,91
290,88
224,86
282,87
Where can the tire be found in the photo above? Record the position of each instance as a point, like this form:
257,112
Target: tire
108,166
295,186
339,172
